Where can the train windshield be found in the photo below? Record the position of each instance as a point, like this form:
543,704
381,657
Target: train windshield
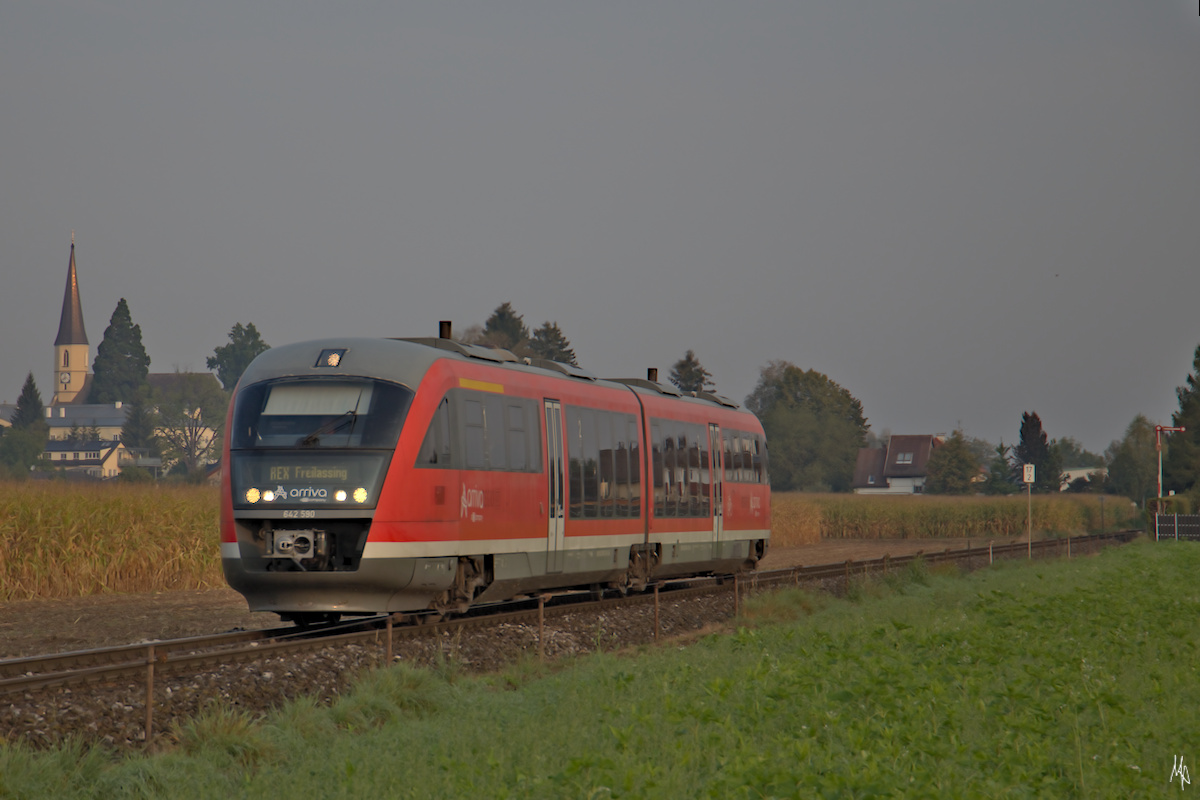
320,414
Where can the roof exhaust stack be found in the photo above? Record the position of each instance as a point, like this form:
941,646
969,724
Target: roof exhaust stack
652,374
445,329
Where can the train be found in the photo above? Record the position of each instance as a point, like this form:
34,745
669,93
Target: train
429,475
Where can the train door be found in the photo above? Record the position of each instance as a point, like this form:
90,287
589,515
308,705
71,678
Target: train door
716,468
555,472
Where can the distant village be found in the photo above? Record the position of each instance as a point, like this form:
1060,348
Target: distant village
85,439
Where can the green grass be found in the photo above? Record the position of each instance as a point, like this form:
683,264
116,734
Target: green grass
1051,679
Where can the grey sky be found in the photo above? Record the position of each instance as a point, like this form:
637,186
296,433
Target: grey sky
958,211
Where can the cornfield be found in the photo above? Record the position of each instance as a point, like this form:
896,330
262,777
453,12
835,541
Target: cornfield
70,540
798,518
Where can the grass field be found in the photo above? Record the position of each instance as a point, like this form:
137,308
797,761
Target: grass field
1052,679
69,540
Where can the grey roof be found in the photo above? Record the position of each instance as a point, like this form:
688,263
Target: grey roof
70,324
102,415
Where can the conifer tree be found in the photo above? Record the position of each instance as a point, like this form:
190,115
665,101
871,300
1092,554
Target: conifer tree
505,328
952,467
690,375
549,342
1034,448
30,411
121,364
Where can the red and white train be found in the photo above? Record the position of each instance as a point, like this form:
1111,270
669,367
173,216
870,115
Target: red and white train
401,475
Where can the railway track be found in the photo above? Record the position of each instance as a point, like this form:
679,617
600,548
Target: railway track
151,661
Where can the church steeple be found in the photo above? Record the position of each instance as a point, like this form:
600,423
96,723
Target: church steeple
71,346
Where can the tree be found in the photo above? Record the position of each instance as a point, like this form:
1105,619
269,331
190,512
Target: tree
1181,459
22,446
1133,462
30,410
1073,455
505,328
690,375
814,426
549,342
121,364
1000,478
953,467
191,415
140,429
230,360
1034,448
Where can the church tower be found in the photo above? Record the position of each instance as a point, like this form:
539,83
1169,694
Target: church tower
71,350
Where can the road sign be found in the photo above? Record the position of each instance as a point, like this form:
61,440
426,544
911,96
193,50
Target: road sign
1029,473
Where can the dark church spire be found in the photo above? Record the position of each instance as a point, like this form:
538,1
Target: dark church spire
70,325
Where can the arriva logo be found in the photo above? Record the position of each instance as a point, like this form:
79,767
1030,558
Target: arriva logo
472,499
301,493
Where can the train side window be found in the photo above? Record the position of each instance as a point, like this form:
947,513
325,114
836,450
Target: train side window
635,468
516,435
574,461
435,450
657,468
760,460
607,474
494,432
473,432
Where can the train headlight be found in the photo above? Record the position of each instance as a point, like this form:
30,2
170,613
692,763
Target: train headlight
360,495
252,495
268,496
340,495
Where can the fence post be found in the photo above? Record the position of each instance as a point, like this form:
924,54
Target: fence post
737,599
1156,525
1177,526
149,693
541,627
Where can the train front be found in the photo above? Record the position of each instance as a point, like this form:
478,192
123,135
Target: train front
312,431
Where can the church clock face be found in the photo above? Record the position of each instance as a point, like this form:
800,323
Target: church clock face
64,378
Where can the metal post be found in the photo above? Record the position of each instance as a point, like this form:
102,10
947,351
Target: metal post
1029,517
1068,547
989,552
541,627
149,693
1177,526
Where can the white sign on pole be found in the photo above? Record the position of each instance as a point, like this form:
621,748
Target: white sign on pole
1029,473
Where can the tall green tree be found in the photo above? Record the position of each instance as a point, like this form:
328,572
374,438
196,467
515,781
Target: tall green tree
1034,447
953,467
549,342
1133,462
690,375
1072,454
505,328
121,364
1000,479
140,431
30,411
21,446
191,416
813,425
230,360
1181,456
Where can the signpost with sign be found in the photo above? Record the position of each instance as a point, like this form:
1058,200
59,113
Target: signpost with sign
1029,508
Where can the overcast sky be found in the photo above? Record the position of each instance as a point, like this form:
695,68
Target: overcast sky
958,211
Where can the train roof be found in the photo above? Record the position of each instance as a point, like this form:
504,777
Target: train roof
406,361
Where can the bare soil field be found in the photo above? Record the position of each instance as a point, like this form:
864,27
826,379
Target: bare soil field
38,627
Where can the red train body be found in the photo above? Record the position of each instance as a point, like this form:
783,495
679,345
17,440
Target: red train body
366,476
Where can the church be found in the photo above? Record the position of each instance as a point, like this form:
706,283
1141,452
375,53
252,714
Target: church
85,437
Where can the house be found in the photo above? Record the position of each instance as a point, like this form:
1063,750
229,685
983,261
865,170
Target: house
899,468
94,458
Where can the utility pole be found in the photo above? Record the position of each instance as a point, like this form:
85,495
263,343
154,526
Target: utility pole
1158,432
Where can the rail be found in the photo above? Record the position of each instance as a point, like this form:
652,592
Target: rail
156,658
